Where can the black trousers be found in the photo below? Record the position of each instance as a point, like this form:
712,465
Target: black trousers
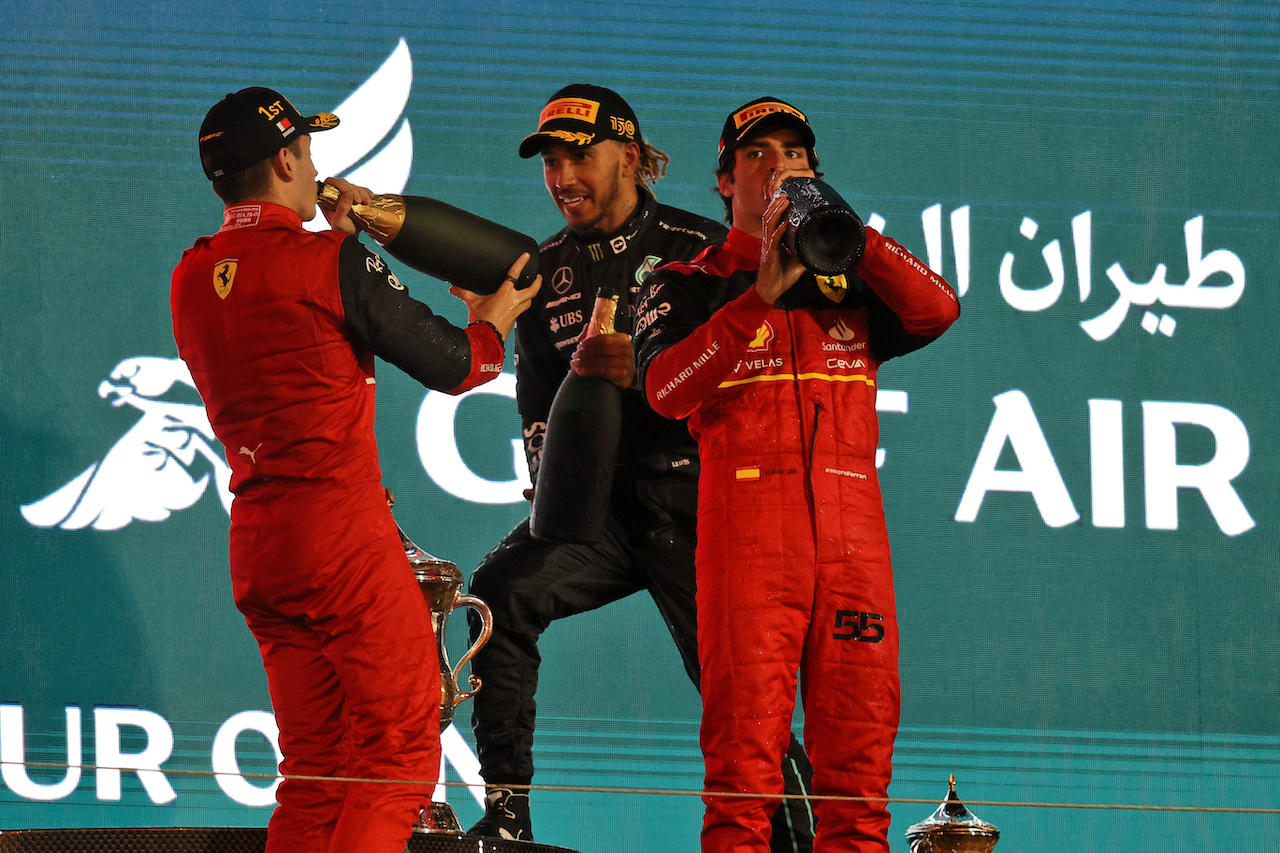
528,584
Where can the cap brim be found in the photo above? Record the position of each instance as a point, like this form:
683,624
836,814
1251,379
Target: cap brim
321,121
534,143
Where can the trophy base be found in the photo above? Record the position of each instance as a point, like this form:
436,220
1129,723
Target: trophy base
438,842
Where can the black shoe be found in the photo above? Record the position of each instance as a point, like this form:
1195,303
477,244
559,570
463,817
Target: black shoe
506,816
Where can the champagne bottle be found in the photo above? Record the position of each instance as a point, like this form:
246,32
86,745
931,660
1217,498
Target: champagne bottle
580,448
441,240
825,233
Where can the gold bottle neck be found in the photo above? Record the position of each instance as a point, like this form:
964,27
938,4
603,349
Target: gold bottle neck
381,219
603,315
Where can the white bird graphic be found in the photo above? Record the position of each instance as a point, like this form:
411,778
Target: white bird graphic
146,475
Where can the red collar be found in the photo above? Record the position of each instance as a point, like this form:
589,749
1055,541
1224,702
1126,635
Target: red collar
745,248
252,214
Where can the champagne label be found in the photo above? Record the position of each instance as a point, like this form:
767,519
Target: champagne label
603,315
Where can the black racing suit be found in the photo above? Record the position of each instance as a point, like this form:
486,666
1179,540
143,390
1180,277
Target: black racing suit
650,532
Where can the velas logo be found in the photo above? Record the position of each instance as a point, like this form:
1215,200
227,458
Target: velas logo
758,111
581,109
323,121
373,146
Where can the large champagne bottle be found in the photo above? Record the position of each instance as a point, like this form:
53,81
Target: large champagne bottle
441,240
575,477
825,234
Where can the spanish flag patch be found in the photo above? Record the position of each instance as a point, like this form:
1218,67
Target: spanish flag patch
749,473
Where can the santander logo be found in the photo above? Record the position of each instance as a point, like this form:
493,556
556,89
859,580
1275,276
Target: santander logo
840,331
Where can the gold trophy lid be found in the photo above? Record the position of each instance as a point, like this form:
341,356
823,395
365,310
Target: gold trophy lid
952,828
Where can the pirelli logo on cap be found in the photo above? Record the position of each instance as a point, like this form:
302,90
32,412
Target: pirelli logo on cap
754,112
581,109
751,472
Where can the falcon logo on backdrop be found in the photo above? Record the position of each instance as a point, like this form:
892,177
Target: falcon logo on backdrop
162,463
148,474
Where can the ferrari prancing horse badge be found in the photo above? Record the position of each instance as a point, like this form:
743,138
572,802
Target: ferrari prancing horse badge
224,275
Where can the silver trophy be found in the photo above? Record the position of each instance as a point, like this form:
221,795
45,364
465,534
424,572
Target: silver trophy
952,828
441,585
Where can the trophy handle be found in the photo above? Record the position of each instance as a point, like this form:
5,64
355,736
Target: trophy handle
486,631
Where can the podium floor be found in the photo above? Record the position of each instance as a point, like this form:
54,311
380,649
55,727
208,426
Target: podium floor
222,840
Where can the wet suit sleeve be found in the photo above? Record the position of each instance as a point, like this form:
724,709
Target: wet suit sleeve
382,316
690,349
913,305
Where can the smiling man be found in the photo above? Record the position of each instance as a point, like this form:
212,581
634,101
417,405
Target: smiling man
597,169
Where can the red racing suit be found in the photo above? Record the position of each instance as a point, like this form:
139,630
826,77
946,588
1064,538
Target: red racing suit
279,327
793,567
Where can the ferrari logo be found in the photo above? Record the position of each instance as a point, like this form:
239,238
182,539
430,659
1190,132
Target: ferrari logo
224,275
834,288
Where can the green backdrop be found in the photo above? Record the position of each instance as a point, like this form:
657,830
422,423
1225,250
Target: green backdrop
1081,478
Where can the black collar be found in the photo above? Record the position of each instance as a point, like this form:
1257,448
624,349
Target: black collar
598,248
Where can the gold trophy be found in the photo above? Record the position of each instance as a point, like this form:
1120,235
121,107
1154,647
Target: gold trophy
952,828
441,585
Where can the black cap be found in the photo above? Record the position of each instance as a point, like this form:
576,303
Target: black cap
758,116
248,126
581,114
